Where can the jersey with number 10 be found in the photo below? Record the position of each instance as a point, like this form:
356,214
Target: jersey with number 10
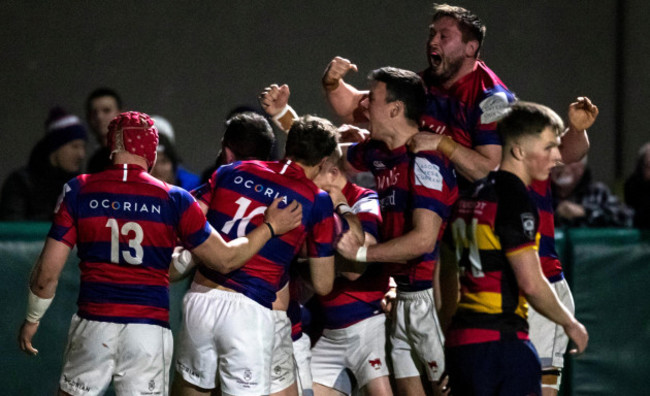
237,196
126,224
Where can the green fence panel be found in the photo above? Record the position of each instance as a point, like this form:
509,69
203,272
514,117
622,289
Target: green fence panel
20,245
610,269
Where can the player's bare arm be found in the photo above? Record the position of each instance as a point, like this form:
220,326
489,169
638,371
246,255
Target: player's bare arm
322,274
473,164
42,286
420,240
226,257
575,142
541,296
342,97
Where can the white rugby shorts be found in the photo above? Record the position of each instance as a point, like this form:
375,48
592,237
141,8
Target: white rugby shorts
302,355
226,334
283,368
417,342
360,347
136,356
548,337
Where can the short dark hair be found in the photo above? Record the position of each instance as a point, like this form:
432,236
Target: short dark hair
469,24
311,139
101,92
527,118
405,86
249,136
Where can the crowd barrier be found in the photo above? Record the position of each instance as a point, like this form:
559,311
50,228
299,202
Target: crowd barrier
608,270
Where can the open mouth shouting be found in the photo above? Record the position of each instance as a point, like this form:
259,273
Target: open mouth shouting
435,59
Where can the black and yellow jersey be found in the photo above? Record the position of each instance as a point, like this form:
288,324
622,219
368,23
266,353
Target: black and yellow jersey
497,221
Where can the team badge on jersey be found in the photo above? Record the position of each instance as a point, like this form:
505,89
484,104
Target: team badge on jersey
528,225
427,174
494,107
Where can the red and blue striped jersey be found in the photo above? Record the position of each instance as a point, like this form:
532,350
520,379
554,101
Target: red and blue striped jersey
468,110
405,182
540,193
352,301
126,224
237,196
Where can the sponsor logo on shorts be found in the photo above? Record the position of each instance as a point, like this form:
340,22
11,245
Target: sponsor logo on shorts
375,363
433,365
277,370
188,370
76,385
247,382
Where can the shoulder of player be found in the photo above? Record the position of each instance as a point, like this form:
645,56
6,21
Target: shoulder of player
510,189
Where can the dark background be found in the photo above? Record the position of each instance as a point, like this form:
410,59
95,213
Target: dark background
192,62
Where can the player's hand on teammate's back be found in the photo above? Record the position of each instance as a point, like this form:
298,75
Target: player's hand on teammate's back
582,114
283,220
336,70
274,98
27,331
578,334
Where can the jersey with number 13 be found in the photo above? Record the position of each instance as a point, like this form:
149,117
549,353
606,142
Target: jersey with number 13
126,224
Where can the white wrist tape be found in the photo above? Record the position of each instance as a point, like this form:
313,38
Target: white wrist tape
182,261
284,121
361,254
343,208
36,306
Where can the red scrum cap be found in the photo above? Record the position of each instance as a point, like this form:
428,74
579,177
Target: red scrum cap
134,133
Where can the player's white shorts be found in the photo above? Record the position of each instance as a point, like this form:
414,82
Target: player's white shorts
549,338
302,355
360,347
416,337
227,334
136,356
283,368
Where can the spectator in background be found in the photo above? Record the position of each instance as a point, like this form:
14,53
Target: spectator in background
637,189
581,202
103,104
31,193
168,167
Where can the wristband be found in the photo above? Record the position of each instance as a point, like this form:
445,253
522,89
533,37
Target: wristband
362,253
36,306
182,261
330,85
447,146
270,229
343,208
284,119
